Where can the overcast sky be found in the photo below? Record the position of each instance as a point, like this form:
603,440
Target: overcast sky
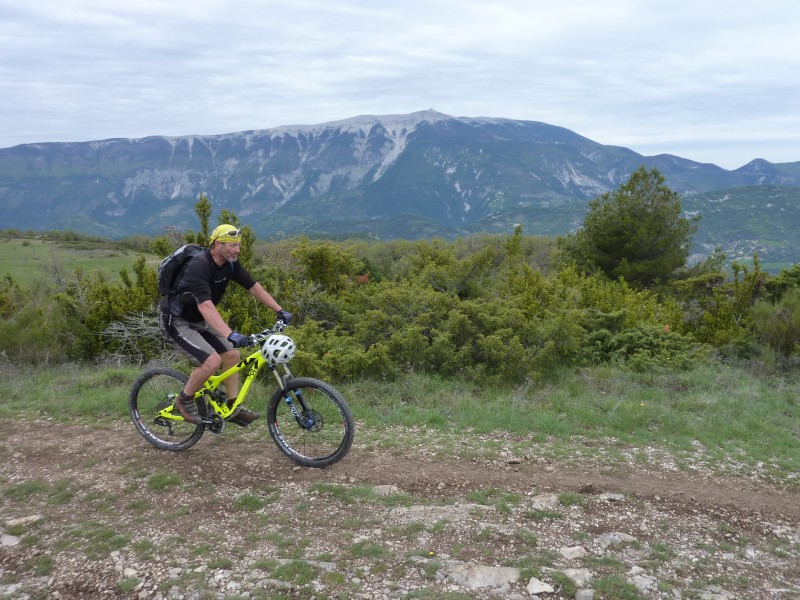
712,81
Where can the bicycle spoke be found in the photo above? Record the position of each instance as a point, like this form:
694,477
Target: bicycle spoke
320,432
153,392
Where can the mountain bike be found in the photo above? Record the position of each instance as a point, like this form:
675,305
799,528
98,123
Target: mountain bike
307,418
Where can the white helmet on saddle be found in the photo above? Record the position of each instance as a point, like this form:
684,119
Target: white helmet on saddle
278,349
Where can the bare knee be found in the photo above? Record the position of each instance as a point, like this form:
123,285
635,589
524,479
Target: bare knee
203,372
211,364
230,358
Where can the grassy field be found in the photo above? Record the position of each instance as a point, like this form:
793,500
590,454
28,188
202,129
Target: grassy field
727,419
32,260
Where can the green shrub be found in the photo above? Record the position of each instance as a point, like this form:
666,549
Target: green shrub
475,309
777,324
644,348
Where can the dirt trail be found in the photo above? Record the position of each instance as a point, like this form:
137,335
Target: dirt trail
115,460
420,475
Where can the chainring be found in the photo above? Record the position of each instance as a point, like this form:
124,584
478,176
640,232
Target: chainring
214,423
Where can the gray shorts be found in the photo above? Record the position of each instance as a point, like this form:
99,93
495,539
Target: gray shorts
197,340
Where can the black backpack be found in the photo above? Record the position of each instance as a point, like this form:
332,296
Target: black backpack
172,267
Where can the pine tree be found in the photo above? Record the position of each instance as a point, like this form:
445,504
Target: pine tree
636,233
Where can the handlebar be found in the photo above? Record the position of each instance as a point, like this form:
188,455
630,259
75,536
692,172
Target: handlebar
258,338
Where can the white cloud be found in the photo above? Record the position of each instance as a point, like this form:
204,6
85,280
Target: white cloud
708,81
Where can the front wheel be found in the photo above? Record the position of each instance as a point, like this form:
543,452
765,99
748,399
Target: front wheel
310,422
154,391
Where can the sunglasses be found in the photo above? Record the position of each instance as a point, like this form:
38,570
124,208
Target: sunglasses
235,233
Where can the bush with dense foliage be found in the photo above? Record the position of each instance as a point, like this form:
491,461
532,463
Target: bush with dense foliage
488,308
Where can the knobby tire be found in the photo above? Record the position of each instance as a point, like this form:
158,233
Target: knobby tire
153,390
328,433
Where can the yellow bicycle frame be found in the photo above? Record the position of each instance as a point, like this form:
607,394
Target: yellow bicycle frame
255,362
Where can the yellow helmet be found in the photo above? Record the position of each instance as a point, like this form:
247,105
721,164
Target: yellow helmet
226,233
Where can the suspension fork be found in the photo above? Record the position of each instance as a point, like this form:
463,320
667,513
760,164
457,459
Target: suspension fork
298,412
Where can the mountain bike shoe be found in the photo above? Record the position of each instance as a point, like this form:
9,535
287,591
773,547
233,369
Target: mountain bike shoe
242,417
188,409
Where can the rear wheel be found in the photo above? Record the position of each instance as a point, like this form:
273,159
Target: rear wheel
152,392
321,432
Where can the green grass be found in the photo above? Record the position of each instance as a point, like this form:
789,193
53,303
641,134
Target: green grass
252,502
128,585
571,499
297,571
726,415
94,539
345,494
288,545
29,261
163,482
61,492
367,549
494,497
734,419
617,588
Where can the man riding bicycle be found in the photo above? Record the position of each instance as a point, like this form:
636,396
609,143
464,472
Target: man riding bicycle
193,323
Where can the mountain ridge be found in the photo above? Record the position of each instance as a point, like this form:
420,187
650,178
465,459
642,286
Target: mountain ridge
412,175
